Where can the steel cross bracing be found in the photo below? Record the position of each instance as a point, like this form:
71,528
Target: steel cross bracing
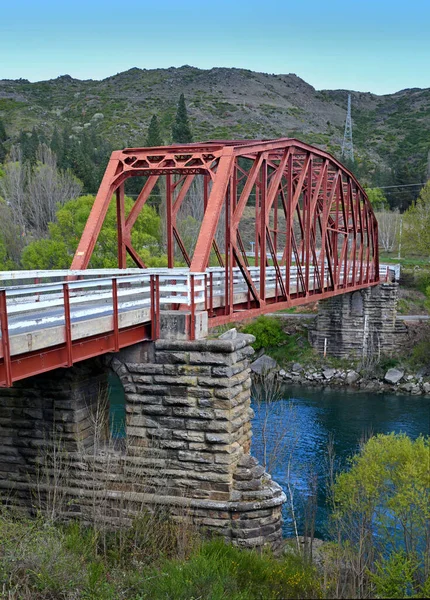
314,233
309,211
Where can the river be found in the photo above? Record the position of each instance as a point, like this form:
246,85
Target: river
298,430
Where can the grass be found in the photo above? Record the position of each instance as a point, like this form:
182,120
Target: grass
41,560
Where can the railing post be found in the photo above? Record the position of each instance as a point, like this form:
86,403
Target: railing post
68,324
152,303
193,310
157,307
211,294
115,313
5,339
206,291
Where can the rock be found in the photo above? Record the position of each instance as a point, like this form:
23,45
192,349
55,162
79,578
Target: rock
352,377
264,364
407,387
394,375
231,334
426,387
424,371
329,373
297,368
282,373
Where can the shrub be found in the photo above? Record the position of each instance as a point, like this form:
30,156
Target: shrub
382,515
267,331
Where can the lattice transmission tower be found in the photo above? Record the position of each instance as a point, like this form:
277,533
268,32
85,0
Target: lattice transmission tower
347,145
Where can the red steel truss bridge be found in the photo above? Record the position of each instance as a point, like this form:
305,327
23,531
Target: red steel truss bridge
282,224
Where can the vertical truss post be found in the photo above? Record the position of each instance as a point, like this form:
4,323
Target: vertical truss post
169,222
257,220
289,224
228,254
120,223
263,233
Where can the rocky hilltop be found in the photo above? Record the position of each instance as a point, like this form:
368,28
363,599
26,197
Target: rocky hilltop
226,103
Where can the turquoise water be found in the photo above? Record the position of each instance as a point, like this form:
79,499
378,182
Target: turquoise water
299,429
116,406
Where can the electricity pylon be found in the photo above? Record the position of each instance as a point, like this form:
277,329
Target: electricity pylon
347,146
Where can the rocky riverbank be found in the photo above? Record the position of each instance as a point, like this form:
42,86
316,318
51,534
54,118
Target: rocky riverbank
393,380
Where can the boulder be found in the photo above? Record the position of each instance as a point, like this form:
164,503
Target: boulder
393,376
231,334
329,373
263,365
426,387
352,377
424,371
407,387
297,368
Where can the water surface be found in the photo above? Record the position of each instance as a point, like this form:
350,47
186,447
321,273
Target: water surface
300,427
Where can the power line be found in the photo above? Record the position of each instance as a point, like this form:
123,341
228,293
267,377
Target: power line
386,187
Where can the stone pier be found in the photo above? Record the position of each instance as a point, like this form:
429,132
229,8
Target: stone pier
187,446
359,324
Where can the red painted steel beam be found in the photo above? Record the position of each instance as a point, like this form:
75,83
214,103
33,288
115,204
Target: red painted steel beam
35,363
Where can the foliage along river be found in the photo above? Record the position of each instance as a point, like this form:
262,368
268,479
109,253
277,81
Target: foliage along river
300,428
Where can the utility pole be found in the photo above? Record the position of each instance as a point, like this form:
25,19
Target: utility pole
347,146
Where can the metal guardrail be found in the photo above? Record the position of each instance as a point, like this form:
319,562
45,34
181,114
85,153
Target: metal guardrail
71,306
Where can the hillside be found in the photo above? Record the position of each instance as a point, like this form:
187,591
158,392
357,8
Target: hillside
388,130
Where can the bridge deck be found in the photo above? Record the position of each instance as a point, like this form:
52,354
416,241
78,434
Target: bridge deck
51,319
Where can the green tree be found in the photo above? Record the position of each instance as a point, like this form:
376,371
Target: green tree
57,251
181,131
416,224
153,137
377,198
382,514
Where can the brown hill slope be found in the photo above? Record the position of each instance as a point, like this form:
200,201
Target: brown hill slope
226,103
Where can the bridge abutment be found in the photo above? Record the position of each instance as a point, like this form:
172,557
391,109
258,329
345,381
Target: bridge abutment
359,324
187,446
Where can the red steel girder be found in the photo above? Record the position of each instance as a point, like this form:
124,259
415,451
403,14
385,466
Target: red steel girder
323,224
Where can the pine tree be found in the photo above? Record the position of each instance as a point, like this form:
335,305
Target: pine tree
3,138
181,131
154,137
57,145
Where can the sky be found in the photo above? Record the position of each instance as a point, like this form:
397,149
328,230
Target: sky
380,46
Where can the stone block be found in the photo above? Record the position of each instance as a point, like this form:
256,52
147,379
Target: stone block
178,401
195,413
197,457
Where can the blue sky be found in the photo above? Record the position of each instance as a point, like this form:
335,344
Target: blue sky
379,46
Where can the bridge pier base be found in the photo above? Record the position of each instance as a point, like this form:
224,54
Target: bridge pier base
187,446
359,324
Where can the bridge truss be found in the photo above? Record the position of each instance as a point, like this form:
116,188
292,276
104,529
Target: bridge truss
309,214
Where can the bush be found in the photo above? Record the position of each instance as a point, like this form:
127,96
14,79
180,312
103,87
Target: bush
382,516
267,331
